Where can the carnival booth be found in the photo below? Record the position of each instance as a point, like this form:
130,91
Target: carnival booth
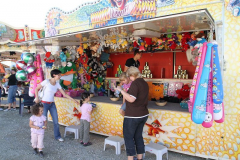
182,61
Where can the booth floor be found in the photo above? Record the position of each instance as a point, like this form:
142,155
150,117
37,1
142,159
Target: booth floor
15,143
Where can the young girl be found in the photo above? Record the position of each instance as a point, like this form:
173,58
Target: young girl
86,110
37,123
126,85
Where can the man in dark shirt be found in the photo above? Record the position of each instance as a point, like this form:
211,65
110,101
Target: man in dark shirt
12,83
133,61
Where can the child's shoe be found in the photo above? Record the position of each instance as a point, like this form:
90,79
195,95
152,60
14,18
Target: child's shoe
87,144
35,150
81,142
41,153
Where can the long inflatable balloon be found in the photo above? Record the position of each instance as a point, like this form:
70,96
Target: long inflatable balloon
217,78
197,75
37,77
223,116
208,122
199,108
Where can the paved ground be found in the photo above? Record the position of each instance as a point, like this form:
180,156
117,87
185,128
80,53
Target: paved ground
15,143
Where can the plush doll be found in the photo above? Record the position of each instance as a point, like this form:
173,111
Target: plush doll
141,47
185,38
68,79
200,39
183,93
63,56
85,45
49,59
192,42
57,63
148,43
135,42
160,44
80,49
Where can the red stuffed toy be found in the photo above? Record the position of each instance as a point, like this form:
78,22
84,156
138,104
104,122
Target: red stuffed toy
185,38
49,59
184,92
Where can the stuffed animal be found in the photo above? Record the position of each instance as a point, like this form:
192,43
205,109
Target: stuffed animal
69,79
183,93
148,43
57,63
142,46
49,59
185,38
80,49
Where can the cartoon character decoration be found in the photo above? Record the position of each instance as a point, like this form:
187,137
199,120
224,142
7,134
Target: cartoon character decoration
183,93
68,79
193,41
154,128
49,59
51,29
77,114
200,39
234,7
160,44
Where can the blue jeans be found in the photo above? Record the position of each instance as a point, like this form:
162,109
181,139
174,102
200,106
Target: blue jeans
12,93
53,111
132,132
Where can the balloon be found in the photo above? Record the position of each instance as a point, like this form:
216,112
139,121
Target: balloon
21,65
31,69
28,58
21,75
23,55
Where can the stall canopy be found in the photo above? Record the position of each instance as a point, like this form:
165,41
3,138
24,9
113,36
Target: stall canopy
197,20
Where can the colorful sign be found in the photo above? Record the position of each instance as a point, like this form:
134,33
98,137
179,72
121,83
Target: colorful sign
234,7
100,14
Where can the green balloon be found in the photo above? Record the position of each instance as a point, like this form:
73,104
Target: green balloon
21,75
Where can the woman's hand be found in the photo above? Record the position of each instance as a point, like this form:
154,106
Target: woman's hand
37,100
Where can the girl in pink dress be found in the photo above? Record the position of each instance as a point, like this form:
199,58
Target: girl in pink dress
37,123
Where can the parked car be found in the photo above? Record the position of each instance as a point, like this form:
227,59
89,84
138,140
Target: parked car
5,91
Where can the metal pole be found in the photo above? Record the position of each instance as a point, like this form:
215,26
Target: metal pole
174,63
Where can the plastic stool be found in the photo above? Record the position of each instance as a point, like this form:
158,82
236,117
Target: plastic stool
114,141
73,129
157,149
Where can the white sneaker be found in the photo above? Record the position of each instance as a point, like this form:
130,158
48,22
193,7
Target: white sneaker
14,109
7,110
60,139
1,109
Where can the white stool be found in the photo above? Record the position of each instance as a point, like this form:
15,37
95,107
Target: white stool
157,149
114,141
73,129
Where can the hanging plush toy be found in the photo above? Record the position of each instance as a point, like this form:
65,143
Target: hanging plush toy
49,59
85,45
80,49
68,79
160,44
200,39
185,38
148,44
63,56
192,42
141,45
57,63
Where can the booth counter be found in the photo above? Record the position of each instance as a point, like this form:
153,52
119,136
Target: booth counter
178,133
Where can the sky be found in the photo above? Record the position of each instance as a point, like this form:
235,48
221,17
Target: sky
18,13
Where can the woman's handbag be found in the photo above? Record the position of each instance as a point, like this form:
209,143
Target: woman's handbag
41,92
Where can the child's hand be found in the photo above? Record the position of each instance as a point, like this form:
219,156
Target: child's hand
37,127
44,127
77,102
